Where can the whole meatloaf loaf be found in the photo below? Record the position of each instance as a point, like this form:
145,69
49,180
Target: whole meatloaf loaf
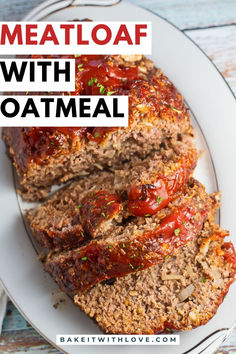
96,203
181,293
139,243
157,116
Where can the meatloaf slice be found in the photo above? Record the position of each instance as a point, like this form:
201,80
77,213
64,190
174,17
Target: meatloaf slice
181,293
46,156
95,204
137,244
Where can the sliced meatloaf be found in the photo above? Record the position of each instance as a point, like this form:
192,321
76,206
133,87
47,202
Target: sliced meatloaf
181,293
95,204
157,117
137,244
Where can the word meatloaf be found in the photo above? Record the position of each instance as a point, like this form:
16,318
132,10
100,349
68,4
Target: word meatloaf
131,236
157,117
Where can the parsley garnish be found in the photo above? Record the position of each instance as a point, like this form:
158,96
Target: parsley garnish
203,280
177,231
169,330
101,88
109,93
103,214
158,199
80,67
84,258
175,110
79,206
92,81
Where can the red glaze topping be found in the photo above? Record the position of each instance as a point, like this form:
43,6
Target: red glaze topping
39,143
164,100
147,199
97,209
95,75
65,239
99,134
98,75
156,96
229,253
97,262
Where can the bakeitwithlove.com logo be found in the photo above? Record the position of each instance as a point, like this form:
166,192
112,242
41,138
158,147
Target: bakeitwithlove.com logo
111,339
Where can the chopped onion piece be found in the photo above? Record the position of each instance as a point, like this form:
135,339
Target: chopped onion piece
133,57
216,276
147,124
192,316
205,246
165,276
186,292
189,269
98,166
179,305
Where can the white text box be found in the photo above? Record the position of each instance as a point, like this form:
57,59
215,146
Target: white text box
48,111
75,38
40,75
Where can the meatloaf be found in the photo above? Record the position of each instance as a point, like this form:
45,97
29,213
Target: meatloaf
157,117
181,293
95,204
137,244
